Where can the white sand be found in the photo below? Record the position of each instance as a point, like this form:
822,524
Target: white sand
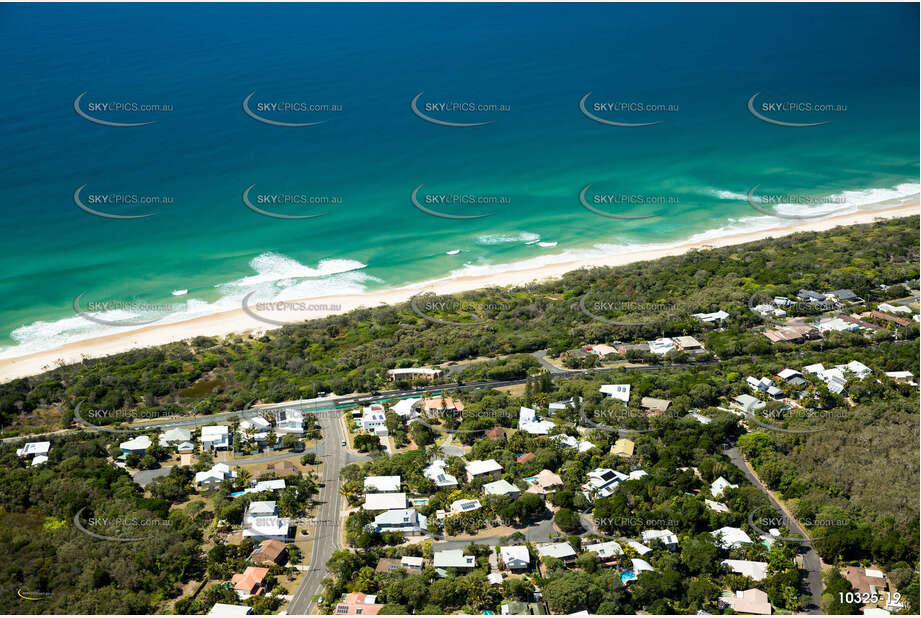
237,321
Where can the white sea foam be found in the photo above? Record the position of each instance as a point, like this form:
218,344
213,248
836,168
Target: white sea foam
180,292
547,244
500,239
837,203
453,252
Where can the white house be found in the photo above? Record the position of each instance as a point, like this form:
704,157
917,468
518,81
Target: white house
413,373
700,418
374,420
211,479
663,345
255,424
639,547
836,324
719,507
562,405
719,486
173,436
34,448
465,506
561,551
289,420
893,308
436,472
607,550
857,368
261,522
717,316
501,488
666,537
385,501
137,445
617,391
38,460
382,484
580,444
272,485
482,468
529,422
749,568
515,557
215,437
602,482
408,521
453,559
407,408
728,537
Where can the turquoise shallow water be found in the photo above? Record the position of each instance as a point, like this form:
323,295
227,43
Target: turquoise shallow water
371,61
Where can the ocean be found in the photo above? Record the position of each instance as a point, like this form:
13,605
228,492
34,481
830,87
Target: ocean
516,72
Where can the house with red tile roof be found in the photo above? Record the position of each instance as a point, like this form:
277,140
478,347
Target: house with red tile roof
358,603
250,582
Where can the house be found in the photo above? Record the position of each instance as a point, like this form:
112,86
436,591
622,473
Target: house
844,296
654,405
900,376
700,418
717,316
836,324
413,373
616,391
638,566
607,551
890,318
413,564
765,310
453,559
689,344
483,468
442,405
436,472
639,548
494,579
270,485
857,368
602,350
495,433
545,482
719,486
663,345
525,458
623,447
255,424
728,537
602,482
384,501
791,376
515,557
893,308
666,537
270,551
560,551
810,296
747,404
185,448
225,610
520,608
529,422
38,460
176,435
465,505
751,601
501,488
382,484
563,405
34,448
358,603
407,521
719,507
374,420
288,421
792,333
212,479
138,445
261,522
385,565
214,437
749,568
407,408
250,582
869,583
579,444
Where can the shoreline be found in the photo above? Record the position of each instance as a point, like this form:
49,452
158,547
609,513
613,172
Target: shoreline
239,321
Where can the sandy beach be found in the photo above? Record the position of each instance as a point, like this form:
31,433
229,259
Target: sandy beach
239,320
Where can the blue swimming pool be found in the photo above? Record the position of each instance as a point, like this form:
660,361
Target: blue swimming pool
627,576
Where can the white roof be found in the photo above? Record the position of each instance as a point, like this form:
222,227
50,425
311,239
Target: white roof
719,486
661,346
273,485
700,418
719,507
857,367
39,459
465,505
500,488
617,391
382,483
494,578
893,308
639,547
606,549
413,561
537,428
786,374
34,448
225,609
259,508
436,472
269,525
666,536
515,554
405,407
731,537
453,558
640,565
814,368
177,434
255,422
749,568
214,431
900,375
136,444
384,501
420,370
556,550
401,517
483,466
711,317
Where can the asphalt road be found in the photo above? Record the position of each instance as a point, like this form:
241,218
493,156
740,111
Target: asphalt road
811,562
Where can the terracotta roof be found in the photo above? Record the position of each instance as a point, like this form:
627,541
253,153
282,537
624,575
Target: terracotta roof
269,551
525,458
495,433
356,603
250,581
861,579
890,318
